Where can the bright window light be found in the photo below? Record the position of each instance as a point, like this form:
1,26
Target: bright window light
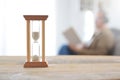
89,25
13,25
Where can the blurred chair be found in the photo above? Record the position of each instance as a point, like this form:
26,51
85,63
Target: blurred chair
116,48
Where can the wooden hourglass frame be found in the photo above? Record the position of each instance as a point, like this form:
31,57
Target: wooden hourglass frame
29,63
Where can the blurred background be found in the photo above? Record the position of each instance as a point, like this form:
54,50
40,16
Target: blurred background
79,14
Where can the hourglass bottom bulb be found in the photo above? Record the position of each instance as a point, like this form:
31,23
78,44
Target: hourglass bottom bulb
35,58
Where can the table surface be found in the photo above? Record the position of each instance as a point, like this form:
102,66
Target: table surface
62,68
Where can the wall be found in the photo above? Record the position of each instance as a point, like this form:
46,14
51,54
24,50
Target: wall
68,14
114,14
112,8
13,25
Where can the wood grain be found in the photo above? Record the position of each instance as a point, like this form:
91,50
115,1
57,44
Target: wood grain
43,41
62,68
28,41
35,17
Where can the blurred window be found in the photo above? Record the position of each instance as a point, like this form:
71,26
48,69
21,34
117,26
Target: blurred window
89,25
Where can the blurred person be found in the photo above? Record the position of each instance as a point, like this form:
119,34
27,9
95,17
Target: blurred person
102,41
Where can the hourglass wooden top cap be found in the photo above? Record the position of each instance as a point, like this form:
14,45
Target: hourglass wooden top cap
35,17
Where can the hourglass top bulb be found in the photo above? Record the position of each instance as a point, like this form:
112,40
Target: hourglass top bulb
35,36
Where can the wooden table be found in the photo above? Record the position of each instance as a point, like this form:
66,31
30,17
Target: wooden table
62,68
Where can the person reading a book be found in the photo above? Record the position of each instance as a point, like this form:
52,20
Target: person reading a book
102,41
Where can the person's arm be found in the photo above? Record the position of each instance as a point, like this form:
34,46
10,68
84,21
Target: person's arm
92,52
101,48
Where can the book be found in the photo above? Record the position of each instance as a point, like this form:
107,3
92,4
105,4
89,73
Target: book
71,36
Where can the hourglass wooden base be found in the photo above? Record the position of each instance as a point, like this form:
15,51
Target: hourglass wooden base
35,65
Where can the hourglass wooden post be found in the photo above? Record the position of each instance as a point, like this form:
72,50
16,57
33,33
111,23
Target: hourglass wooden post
35,63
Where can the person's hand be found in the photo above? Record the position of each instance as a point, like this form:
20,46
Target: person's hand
75,48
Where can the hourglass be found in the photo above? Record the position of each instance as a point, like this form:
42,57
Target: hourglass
35,32
35,41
